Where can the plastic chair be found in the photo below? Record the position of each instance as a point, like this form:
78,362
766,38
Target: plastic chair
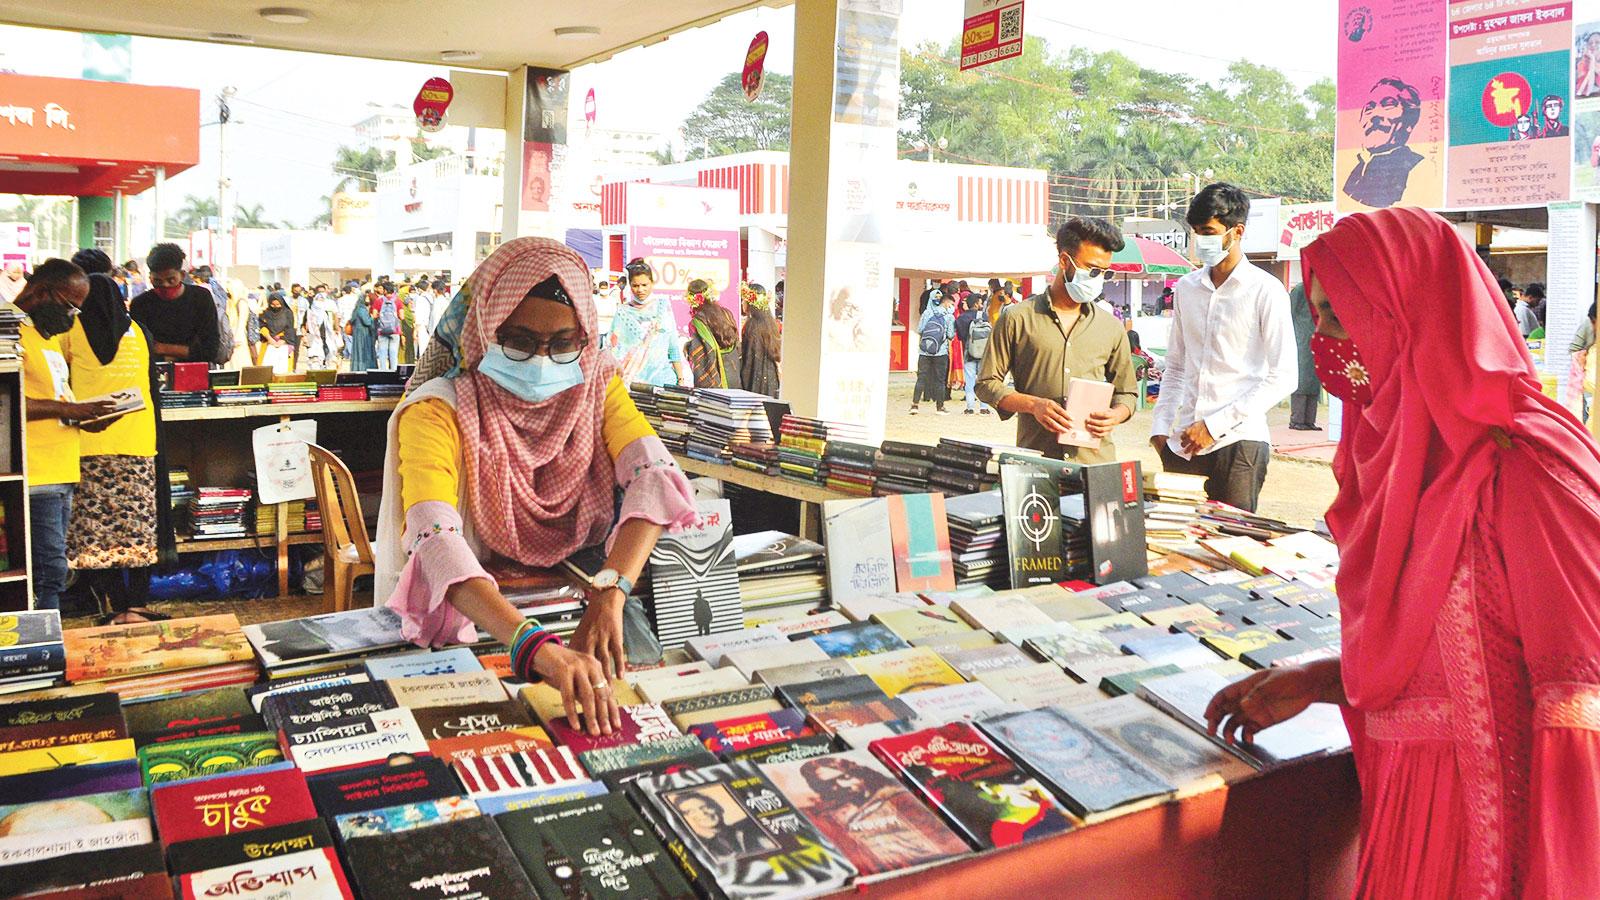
347,550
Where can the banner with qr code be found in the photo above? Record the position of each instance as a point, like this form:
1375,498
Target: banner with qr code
992,32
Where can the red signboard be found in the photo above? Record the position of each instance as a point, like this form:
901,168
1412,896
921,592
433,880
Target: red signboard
992,32
431,103
755,66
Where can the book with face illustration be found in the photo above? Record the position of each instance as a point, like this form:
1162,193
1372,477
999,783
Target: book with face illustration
694,579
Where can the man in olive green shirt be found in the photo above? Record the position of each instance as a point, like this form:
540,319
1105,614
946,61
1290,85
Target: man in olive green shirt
1047,340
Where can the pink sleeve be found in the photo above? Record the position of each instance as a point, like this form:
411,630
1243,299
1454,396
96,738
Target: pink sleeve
653,487
437,557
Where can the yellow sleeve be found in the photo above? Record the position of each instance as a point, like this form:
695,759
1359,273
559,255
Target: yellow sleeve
430,453
623,424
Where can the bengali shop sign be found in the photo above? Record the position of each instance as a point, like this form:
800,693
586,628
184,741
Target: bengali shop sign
991,32
1390,123
687,233
1510,102
1299,224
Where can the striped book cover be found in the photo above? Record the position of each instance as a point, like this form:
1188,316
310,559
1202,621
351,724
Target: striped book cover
487,776
694,579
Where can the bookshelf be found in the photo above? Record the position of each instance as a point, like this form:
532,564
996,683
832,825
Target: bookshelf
16,581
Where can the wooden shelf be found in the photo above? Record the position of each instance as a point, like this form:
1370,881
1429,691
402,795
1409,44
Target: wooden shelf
11,575
277,410
771,484
260,542
14,476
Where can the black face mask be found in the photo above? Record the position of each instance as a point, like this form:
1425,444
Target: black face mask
52,318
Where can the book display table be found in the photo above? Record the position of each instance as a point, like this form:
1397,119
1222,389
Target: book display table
811,496
214,444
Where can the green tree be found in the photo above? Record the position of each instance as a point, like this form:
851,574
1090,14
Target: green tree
251,216
191,216
359,168
725,122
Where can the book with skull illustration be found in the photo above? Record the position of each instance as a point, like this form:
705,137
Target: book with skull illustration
694,580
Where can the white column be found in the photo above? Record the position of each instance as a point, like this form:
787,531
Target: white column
511,170
1570,289
158,209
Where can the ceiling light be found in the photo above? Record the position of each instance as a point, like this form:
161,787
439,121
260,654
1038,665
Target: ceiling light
228,37
578,32
285,15
460,55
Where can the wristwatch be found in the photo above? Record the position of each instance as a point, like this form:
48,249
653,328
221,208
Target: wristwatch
606,579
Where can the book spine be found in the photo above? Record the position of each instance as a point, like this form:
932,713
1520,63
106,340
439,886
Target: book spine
902,468
914,451
808,444
33,660
858,453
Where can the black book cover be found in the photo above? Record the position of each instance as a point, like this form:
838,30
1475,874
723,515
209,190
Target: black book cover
959,483
206,727
1033,526
1170,583
916,470
909,451
149,719
865,454
468,719
1215,597
1276,615
42,720
1114,502
694,581
592,849
1264,657
1320,632
300,709
1140,602
975,512
1087,772
75,870
463,858
375,787
232,849
341,675
770,551
965,460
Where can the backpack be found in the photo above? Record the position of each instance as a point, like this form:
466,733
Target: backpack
219,297
978,336
932,336
388,317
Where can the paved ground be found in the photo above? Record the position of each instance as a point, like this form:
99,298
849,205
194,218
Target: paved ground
1298,489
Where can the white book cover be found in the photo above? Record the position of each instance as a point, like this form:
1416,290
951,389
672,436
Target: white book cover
790,653
713,647
397,732
76,838
860,559
663,690
940,705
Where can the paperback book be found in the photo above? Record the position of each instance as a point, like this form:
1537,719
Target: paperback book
117,651
235,849
405,817
921,537
693,578
1032,499
461,858
233,804
1087,773
595,848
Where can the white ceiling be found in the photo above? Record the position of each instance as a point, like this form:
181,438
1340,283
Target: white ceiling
507,33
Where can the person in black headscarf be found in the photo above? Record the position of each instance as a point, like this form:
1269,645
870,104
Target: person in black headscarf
280,332
121,508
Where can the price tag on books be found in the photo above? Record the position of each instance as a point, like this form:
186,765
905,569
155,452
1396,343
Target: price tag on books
283,464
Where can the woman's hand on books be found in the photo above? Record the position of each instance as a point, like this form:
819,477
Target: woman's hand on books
583,686
1265,698
600,632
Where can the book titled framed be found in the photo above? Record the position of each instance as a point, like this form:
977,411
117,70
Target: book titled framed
921,537
1032,499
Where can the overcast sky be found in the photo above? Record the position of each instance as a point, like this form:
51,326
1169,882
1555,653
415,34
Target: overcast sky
294,109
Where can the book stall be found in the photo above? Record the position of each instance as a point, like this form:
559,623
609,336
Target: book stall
994,685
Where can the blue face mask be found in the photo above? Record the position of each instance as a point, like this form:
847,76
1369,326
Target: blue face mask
534,380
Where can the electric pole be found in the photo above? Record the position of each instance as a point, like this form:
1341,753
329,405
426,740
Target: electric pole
223,115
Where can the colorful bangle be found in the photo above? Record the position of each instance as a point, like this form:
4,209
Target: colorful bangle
525,647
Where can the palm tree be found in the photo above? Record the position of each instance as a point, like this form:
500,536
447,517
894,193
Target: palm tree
191,216
360,168
253,216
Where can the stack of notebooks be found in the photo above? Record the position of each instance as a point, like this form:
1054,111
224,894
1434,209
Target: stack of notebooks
157,659
217,512
761,458
902,468
672,405
292,392
342,392
978,539
243,395
723,418
780,575
31,652
11,320
185,399
851,467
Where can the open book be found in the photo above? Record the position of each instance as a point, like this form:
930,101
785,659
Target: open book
126,401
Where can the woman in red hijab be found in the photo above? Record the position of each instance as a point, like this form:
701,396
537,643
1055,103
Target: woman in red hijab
1467,522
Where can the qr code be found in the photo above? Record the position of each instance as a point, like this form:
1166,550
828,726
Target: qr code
1011,24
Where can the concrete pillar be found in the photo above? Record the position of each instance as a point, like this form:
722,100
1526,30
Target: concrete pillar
536,148
840,280
1570,285
511,171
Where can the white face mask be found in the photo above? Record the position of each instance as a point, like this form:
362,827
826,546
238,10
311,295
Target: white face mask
1211,248
1082,288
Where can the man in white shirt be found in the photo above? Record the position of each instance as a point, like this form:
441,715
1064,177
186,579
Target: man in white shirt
1231,357
422,302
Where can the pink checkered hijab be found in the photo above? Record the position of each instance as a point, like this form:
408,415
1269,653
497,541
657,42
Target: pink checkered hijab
540,484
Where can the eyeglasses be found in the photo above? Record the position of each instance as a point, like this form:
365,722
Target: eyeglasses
1095,272
521,347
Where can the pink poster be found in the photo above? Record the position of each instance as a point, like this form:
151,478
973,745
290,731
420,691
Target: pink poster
1389,142
680,255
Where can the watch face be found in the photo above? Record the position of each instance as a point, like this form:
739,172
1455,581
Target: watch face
605,578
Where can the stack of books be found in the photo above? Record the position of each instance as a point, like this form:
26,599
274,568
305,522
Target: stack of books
386,391
11,320
968,467
723,418
1175,488
672,406
313,516
218,512
342,392
762,458
185,399
978,539
800,448
156,659
780,575
243,395
851,467
267,518
292,392
181,488
902,468
31,652
644,398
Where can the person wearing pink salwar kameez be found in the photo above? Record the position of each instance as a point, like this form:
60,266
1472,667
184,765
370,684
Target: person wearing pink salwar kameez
1468,523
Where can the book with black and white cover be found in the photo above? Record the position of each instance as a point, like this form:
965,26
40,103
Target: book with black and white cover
1033,525
1181,756
1088,773
693,579
774,551
329,636
1318,730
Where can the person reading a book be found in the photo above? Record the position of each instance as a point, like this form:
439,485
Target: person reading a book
517,452
1230,358
121,511
1465,519
51,299
1048,340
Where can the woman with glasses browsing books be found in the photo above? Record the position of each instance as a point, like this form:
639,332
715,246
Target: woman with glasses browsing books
1466,519
512,443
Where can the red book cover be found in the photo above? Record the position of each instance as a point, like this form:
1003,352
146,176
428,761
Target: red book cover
191,376
219,806
985,796
643,723
494,743
921,536
750,732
